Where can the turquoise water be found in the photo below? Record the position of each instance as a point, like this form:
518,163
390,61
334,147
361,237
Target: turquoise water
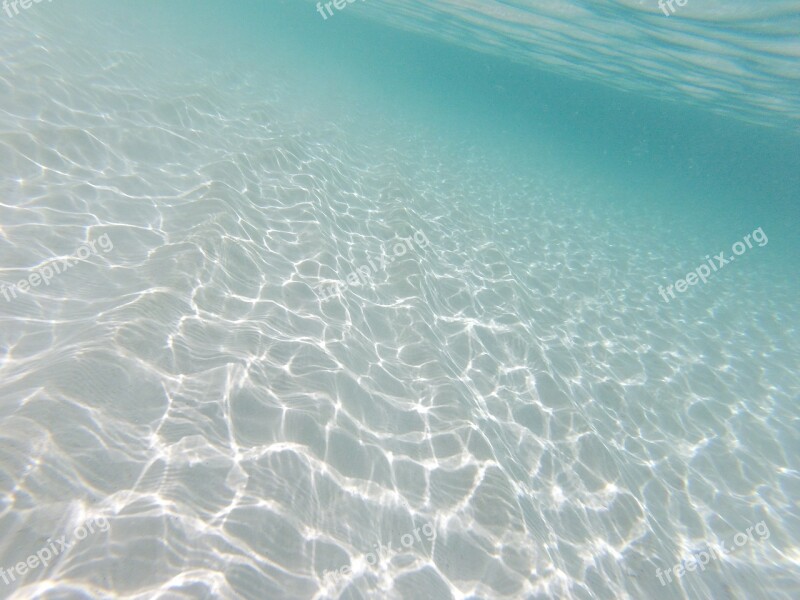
418,300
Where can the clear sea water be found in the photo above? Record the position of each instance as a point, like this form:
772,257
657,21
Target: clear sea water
246,390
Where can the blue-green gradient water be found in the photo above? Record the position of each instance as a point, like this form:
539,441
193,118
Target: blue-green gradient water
405,300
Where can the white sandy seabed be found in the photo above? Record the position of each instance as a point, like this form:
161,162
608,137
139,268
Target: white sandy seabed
517,385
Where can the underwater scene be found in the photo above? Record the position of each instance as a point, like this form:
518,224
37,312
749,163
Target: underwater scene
392,299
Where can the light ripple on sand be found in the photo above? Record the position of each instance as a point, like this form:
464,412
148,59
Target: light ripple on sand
517,384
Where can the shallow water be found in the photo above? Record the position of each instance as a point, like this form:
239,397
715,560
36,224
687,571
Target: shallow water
496,194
